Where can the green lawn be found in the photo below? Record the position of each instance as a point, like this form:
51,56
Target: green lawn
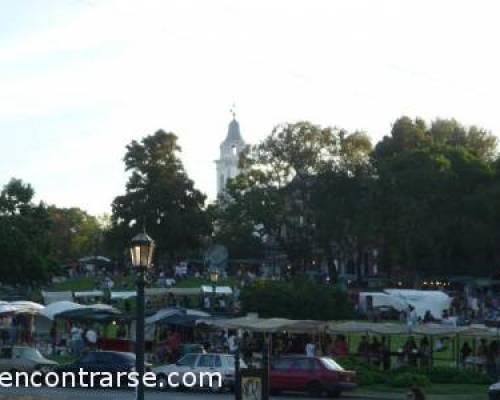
197,282
124,283
89,283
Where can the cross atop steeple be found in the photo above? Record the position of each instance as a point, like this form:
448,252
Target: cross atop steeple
233,111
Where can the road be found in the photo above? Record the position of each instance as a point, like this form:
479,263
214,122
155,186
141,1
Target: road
95,394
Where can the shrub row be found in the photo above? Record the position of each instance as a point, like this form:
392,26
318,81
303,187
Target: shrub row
402,377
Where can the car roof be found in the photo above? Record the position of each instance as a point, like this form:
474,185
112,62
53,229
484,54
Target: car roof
118,353
295,356
209,354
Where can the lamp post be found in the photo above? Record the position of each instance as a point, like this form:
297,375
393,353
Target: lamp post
214,278
141,251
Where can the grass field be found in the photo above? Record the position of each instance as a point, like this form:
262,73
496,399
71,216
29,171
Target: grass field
128,282
89,283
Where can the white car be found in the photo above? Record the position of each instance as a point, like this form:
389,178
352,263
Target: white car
494,391
24,358
197,363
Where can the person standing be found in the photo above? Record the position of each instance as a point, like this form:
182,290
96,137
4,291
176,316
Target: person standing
53,337
415,393
91,338
232,343
310,348
76,340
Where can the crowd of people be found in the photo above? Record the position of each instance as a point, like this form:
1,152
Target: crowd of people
16,329
485,357
81,338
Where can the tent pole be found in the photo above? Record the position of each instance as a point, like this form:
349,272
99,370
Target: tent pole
432,352
474,339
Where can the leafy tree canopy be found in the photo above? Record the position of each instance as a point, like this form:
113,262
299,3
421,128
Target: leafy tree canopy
159,196
74,233
24,227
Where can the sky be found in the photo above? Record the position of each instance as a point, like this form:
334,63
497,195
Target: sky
80,79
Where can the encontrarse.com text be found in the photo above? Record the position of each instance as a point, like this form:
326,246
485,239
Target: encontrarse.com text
89,379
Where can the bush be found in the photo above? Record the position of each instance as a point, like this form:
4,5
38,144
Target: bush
299,299
407,379
366,377
449,375
367,374
444,374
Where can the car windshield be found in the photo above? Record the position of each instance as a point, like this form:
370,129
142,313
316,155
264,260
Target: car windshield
128,356
188,360
231,362
331,364
28,352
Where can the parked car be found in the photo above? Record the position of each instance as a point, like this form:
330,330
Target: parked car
313,375
494,391
189,348
197,363
103,361
24,358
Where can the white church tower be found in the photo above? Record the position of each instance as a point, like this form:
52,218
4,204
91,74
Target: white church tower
230,149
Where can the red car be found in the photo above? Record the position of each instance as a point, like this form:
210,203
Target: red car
314,375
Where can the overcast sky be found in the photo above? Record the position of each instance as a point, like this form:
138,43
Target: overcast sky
79,79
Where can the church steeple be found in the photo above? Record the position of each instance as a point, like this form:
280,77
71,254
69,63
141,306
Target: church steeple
233,132
230,149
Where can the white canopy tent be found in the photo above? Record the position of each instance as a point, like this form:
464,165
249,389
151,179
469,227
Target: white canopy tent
167,312
54,309
124,295
268,325
65,307
53,297
380,299
434,301
89,293
222,290
21,307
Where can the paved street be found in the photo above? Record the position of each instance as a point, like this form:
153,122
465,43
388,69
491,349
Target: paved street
86,394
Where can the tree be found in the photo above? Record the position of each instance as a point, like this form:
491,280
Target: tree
24,227
427,199
407,134
74,233
161,197
345,215
479,142
272,197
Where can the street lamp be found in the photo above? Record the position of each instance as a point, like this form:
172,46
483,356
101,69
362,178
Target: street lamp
214,278
141,251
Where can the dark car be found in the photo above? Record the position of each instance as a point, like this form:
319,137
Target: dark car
313,375
102,361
